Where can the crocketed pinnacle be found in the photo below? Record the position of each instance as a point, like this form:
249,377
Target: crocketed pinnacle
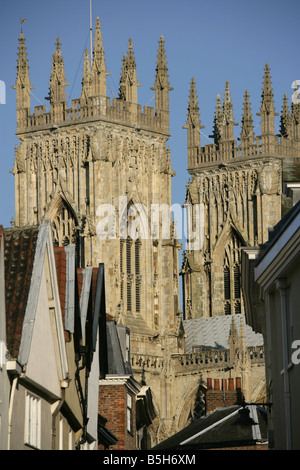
193,107
233,332
22,86
22,62
57,79
267,102
98,68
128,79
162,86
227,106
98,63
86,77
162,76
285,119
247,121
131,64
267,109
218,122
122,88
193,123
58,72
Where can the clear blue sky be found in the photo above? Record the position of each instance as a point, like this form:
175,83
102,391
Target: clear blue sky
213,41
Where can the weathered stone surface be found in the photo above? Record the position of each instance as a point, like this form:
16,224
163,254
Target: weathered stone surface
71,162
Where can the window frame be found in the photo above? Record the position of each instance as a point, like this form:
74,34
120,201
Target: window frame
129,416
32,428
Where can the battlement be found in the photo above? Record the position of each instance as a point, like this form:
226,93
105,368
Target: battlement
101,108
224,147
93,104
230,151
200,359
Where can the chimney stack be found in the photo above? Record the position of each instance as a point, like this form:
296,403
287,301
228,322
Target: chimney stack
228,394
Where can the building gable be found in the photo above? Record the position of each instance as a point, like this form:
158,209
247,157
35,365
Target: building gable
42,347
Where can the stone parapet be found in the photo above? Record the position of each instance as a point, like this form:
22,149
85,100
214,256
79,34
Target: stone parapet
102,108
205,359
229,151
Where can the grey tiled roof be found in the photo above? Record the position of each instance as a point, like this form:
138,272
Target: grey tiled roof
214,332
217,430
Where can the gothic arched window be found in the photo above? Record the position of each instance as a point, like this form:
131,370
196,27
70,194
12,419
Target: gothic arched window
237,284
130,274
65,230
232,282
137,249
226,283
63,226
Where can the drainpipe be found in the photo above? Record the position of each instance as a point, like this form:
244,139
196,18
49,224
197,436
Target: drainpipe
11,402
64,384
83,394
281,286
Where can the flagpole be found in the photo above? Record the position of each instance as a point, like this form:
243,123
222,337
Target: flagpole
91,29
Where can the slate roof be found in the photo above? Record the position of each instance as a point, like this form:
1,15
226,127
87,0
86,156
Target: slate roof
218,430
214,332
19,252
116,363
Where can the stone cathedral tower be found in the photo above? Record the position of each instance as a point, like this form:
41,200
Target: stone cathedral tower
243,189
100,170
91,167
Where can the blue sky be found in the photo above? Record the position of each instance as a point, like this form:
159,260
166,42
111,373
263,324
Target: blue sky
213,41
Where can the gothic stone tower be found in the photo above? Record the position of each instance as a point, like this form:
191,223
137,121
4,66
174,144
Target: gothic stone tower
242,192
74,164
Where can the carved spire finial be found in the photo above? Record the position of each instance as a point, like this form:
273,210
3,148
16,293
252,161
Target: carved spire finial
228,119
162,84
57,82
122,88
22,63
98,69
247,121
218,122
128,80
193,107
285,119
23,84
193,125
267,101
86,78
161,65
267,109
131,64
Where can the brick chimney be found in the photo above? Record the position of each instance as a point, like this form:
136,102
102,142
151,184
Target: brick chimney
117,403
222,393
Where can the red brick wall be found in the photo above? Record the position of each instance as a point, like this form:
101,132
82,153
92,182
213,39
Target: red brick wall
113,406
222,393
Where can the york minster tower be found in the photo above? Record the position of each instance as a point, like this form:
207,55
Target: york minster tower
74,164
100,171
244,186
